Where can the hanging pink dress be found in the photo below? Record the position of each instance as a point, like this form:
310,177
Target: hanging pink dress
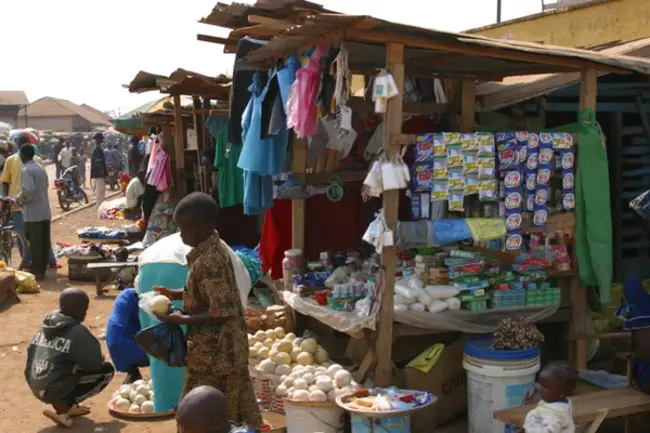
302,111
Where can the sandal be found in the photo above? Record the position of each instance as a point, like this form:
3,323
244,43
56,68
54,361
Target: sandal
79,410
61,419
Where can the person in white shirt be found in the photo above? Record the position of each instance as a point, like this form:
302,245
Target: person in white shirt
65,156
554,413
134,193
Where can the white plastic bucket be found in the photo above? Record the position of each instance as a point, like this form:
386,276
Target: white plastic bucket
308,416
496,379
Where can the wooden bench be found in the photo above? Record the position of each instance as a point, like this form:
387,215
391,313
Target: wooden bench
97,267
613,403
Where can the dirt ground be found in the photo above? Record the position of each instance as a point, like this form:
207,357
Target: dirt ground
19,411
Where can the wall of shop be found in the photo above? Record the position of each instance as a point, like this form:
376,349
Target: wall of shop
9,115
581,26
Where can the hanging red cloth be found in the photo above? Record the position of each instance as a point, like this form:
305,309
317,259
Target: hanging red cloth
329,226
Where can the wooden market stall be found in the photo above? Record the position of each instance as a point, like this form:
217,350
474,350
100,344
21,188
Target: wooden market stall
462,60
199,90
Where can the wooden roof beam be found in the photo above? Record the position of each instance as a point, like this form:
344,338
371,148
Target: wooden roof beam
369,36
215,39
260,19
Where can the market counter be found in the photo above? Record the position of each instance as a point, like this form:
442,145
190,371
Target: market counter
472,322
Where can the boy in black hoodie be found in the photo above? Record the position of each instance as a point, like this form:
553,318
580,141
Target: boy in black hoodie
65,365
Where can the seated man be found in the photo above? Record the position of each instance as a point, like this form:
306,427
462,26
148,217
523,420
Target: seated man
65,365
123,324
635,312
204,410
134,194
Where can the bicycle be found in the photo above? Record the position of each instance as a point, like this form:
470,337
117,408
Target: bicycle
8,237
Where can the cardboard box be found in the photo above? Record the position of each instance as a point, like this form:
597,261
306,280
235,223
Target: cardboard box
447,380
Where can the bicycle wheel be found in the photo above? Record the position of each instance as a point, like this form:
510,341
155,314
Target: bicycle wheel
8,238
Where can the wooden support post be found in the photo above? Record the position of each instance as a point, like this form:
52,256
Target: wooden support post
199,126
467,105
579,307
179,148
298,206
392,127
208,144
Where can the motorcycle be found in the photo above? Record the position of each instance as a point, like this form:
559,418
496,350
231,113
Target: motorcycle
68,190
113,178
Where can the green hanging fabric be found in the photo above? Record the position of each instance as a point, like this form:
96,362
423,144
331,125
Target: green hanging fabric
593,236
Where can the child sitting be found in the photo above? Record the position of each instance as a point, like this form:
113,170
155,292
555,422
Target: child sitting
553,414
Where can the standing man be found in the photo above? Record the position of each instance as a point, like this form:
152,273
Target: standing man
217,347
11,186
35,203
134,157
98,171
65,157
56,149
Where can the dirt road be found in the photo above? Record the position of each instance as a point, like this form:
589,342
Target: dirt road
20,412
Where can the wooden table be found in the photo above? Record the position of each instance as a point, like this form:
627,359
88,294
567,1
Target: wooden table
622,402
97,267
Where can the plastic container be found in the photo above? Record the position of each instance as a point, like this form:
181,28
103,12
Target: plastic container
496,379
291,266
397,424
310,416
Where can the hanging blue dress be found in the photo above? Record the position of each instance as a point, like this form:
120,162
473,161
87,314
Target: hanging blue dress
261,159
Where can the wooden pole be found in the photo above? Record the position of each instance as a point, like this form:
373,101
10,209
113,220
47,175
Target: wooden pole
467,105
208,143
179,148
298,206
578,296
392,129
199,126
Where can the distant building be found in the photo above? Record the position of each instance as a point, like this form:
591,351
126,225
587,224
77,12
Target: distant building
577,23
61,115
11,101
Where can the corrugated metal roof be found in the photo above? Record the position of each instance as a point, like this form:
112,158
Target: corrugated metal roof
55,107
13,97
97,112
495,95
427,50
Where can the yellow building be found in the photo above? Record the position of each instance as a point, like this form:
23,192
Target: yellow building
587,25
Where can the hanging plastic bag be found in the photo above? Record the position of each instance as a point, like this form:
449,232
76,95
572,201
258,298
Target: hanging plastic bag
165,342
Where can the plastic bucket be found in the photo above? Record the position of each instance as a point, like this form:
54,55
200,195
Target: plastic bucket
496,379
310,416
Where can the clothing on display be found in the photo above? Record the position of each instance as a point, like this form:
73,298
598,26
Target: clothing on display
241,80
159,167
231,177
261,159
327,228
302,112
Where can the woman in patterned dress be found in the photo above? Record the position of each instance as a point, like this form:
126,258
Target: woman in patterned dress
217,337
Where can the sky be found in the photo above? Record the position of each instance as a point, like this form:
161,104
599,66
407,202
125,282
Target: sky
85,50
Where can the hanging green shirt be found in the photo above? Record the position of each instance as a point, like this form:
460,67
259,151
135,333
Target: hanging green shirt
231,177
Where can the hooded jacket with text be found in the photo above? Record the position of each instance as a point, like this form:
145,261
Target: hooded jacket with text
59,354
